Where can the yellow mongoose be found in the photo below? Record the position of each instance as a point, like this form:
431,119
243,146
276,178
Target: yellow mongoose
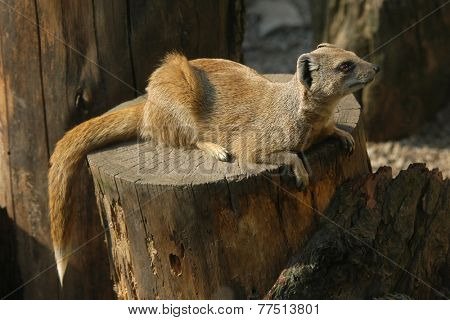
212,104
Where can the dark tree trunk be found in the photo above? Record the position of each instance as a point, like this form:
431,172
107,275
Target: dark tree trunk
380,237
84,57
415,74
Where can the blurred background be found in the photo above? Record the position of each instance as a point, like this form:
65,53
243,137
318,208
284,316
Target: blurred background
63,62
407,109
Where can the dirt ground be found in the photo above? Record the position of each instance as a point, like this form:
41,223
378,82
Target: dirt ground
277,34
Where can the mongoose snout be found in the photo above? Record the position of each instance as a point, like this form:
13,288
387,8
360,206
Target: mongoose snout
222,107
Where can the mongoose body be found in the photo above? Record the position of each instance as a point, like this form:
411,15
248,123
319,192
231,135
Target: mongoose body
219,106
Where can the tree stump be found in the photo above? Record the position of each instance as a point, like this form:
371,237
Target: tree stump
184,226
379,238
63,62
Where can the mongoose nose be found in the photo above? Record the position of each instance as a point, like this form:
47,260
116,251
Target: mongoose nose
375,68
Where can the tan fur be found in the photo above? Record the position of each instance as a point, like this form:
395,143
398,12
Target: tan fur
221,107
65,162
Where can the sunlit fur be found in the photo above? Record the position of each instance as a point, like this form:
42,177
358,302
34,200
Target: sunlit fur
218,106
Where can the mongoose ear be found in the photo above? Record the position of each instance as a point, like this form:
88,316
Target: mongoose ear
305,65
323,45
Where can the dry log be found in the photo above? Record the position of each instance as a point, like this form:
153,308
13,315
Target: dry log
380,237
63,62
181,225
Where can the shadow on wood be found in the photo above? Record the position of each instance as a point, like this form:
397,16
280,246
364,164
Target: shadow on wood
63,62
13,284
185,226
8,259
381,238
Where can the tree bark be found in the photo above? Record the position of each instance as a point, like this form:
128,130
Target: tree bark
379,238
184,226
406,39
61,63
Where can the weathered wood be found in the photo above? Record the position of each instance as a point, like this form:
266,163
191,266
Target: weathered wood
182,225
27,142
379,238
212,28
61,63
406,39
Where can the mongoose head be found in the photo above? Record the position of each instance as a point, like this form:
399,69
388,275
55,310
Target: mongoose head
330,72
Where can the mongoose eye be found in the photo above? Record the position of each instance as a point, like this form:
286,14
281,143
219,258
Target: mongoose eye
346,66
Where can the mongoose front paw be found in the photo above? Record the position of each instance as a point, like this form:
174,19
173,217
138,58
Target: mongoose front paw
301,174
221,154
214,150
347,142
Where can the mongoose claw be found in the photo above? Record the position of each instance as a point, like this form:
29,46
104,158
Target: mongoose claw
300,184
301,175
347,142
224,156
221,154
214,150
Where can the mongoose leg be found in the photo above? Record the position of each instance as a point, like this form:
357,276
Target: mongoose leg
214,150
346,139
294,161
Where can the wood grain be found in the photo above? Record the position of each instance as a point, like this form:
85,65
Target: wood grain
185,226
380,238
63,62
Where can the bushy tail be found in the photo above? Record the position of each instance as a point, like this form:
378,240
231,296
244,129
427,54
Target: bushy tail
66,160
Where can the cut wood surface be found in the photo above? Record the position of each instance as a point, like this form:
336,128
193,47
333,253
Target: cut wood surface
182,225
63,62
380,238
